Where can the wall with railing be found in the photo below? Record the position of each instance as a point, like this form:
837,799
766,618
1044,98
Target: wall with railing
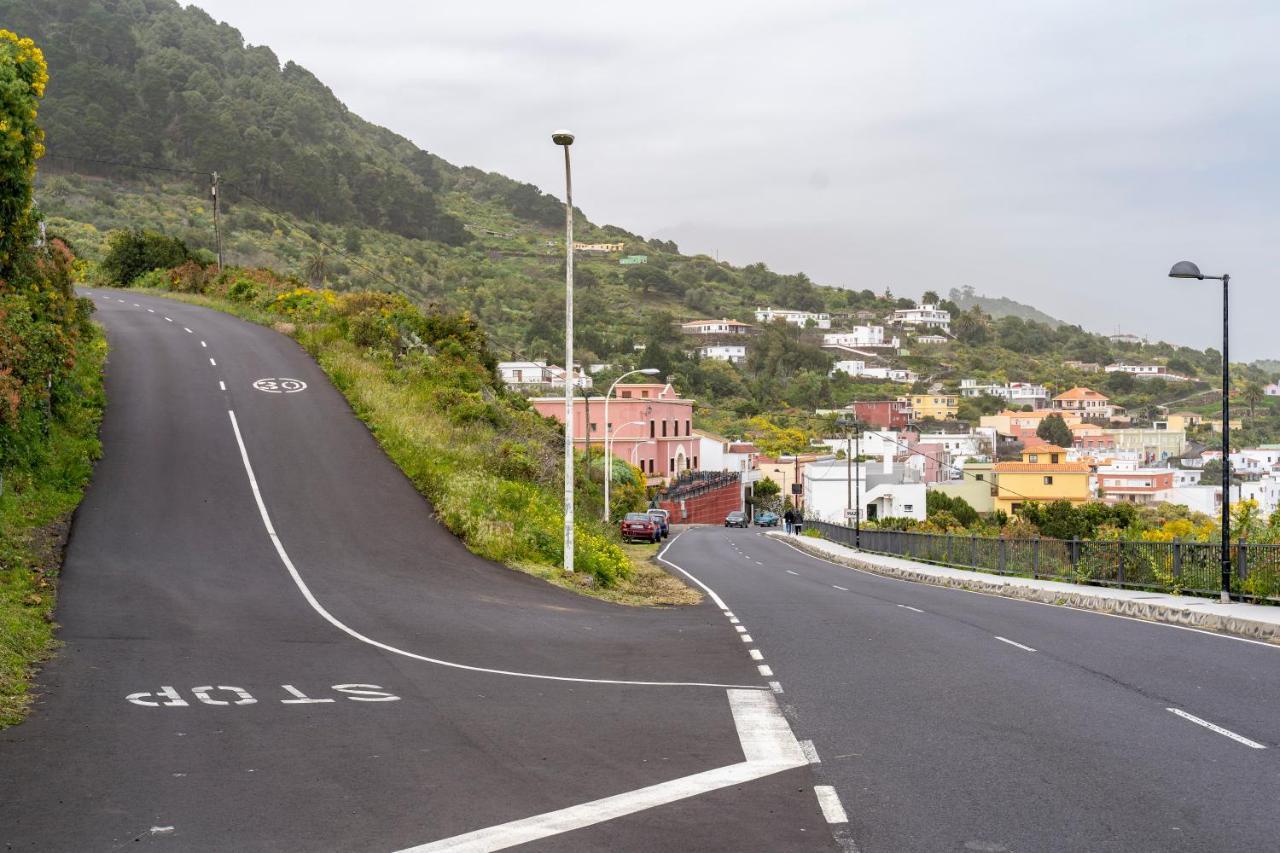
1177,566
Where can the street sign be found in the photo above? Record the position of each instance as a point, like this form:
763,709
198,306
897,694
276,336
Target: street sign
797,488
851,513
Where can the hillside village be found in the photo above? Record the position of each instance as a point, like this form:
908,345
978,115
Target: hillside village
996,445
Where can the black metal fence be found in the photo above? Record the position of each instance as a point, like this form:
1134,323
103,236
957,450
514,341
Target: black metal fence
1191,567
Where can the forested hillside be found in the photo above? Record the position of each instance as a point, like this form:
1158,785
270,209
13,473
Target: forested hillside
148,98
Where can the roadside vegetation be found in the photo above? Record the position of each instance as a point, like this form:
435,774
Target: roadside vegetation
51,400
424,382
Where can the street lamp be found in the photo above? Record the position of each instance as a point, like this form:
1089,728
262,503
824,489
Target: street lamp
564,139
635,449
608,459
608,456
1186,269
853,434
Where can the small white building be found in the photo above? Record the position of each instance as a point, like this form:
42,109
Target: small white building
886,490
1018,394
1145,371
926,316
859,336
1272,390
522,375
860,370
931,339
716,327
803,319
734,353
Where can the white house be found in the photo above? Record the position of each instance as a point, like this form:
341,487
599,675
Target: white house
521,375
931,339
1017,393
860,336
859,370
1272,390
886,490
735,353
803,319
716,327
1145,371
927,316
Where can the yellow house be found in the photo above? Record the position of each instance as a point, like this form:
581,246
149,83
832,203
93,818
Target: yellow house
1043,475
937,406
1186,421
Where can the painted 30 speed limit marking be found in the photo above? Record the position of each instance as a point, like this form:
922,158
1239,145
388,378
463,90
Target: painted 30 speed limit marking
229,695
280,385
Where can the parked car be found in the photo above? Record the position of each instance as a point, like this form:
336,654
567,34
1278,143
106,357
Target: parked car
767,519
737,518
663,517
640,527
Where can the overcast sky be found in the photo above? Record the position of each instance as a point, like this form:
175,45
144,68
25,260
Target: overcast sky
1062,153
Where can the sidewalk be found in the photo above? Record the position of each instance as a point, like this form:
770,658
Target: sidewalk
1255,621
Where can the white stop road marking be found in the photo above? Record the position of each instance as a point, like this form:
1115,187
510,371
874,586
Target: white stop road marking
280,385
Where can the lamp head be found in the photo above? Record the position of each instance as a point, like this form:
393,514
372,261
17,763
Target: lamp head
649,371
1185,269
562,137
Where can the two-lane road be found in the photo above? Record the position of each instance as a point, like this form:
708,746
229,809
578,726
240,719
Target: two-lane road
271,644
948,720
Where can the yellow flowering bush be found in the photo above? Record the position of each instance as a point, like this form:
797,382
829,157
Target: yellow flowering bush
23,75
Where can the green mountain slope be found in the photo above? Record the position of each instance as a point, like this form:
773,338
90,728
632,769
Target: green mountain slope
147,98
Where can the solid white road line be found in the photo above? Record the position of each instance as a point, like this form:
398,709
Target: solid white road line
797,574
767,743
333,620
1252,744
841,588
708,590
830,803
1011,642
909,607
755,654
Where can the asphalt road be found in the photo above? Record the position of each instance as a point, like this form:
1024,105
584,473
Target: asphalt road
270,644
948,720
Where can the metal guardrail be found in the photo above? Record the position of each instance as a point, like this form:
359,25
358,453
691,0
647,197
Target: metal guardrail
1177,566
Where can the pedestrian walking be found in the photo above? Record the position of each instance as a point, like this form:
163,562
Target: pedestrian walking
797,525
790,518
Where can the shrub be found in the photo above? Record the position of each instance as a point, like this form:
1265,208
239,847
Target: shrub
243,290
132,253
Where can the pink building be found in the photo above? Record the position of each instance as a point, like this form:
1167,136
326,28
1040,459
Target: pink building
650,426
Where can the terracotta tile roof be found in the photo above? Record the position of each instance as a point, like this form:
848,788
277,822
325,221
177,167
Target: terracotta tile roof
1081,394
1041,468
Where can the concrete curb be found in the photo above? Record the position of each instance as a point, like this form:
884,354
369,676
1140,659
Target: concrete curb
1196,615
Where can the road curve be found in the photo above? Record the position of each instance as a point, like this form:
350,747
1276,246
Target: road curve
948,720
271,644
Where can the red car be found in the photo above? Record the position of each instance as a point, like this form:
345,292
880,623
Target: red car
640,527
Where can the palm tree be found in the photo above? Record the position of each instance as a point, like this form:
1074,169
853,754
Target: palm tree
1253,393
317,266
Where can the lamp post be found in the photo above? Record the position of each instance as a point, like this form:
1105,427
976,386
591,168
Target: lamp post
1186,269
636,449
608,459
564,139
853,435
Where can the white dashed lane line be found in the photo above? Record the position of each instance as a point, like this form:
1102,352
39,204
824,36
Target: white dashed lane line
188,331
203,344
765,670
746,638
810,751
756,654
841,588
222,386
168,319
830,803
918,610
151,310
1006,640
797,574
1252,744
214,363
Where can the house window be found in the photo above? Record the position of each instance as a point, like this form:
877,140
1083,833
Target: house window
1048,481
688,427
1033,458
664,428
671,464
624,394
695,462
650,429
593,427
1053,458
906,507
979,477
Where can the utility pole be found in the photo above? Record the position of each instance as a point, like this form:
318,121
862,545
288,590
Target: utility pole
217,226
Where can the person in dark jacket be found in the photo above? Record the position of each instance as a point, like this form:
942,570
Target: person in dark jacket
790,518
797,523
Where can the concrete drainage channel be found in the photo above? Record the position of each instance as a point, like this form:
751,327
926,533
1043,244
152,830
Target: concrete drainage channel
1188,612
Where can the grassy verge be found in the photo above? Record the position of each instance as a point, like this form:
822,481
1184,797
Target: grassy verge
35,514
487,463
